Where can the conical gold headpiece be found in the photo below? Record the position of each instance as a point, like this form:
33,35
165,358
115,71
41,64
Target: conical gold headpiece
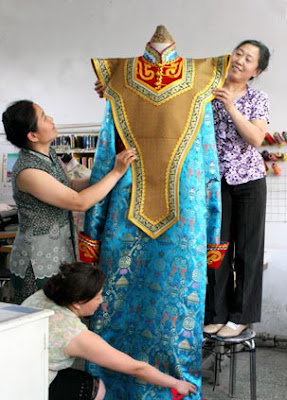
161,35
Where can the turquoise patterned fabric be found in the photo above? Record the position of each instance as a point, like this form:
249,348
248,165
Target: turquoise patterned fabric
154,294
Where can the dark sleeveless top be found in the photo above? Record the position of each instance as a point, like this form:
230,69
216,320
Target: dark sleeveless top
45,235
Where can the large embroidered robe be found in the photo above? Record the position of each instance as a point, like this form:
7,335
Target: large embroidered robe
155,224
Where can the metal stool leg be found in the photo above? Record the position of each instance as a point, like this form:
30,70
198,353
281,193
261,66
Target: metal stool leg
219,348
215,371
252,351
232,370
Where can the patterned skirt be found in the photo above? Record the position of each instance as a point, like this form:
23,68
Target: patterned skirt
24,288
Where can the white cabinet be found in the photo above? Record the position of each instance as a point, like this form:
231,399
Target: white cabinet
23,352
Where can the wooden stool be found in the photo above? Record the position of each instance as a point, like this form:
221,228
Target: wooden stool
246,338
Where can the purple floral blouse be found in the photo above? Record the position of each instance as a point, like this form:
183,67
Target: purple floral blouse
239,162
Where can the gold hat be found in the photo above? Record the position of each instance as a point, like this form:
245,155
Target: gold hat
161,35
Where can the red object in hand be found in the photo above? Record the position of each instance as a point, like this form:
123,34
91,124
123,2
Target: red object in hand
175,395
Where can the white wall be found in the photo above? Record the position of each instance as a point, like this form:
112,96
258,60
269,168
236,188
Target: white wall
46,46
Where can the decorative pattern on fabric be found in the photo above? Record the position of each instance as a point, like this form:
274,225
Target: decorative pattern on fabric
102,70
154,295
154,203
215,254
89,249
34,213
159,83
244,163
23,288
45,236
44,252
168,54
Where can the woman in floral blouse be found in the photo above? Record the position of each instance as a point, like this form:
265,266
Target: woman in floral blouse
73,293
241,114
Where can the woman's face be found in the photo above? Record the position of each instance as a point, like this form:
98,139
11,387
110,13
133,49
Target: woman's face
46,131
88,308
244,63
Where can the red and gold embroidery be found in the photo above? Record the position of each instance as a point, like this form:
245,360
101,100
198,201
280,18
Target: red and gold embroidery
89,249
215,254
159,83
160,76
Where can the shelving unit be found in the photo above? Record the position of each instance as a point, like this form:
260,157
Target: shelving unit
79,141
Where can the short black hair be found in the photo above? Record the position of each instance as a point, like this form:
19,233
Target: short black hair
264,53
19,119
75,282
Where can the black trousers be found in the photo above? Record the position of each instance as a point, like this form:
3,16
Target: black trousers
234,290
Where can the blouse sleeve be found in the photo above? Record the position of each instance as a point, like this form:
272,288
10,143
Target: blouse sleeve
260,107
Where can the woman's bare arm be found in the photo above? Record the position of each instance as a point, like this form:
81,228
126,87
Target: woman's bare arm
49,190
92,347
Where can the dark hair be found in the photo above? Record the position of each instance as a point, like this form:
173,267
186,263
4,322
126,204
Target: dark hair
76,282
19,119
264,53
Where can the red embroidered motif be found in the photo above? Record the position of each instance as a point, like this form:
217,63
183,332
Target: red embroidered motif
158,76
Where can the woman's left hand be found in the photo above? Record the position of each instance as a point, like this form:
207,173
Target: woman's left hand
226,97
99,88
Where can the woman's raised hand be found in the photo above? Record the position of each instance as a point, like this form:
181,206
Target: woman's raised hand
123,160
225,96
99,88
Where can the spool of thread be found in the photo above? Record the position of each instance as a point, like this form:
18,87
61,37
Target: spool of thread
278,138
265,155
280,156
276,169
270,140
284,134
266,167
272,157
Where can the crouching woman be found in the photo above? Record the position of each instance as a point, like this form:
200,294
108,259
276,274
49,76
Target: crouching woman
75,292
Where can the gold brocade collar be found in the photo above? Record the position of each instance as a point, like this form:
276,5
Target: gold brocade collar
167,55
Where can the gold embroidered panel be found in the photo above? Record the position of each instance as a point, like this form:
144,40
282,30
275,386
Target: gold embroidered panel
162,132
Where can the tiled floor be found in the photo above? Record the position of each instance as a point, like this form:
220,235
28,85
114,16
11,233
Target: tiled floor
271,365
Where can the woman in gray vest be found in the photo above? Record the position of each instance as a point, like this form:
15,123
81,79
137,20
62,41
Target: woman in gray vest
45,198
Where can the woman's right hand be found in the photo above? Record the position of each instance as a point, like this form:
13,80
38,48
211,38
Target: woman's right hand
185,388
123,160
